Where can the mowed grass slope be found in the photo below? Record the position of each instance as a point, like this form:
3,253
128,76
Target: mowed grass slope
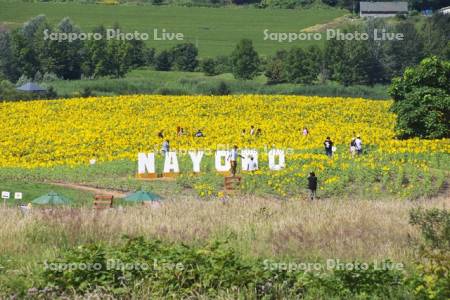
215,30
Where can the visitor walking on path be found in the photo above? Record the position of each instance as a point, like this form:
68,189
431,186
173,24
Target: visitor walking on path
234,154
328,147
312,185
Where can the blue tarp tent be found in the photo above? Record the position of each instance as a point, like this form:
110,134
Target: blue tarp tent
31,87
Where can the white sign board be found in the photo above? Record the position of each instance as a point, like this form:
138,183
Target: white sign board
18,196
5,195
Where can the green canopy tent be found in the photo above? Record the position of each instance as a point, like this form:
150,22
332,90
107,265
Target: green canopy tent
142,196
51,198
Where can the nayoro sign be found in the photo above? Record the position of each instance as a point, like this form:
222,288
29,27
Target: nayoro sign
146,161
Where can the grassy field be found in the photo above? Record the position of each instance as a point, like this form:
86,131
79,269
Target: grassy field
252,228
147,81
214,30
31,190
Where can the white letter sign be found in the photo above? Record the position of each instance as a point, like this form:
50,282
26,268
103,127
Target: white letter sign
146,163
196,158
171,163
222,165
272,159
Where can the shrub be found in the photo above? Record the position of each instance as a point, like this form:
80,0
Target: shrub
222,89
48,76
51,93
181,271
245,60
86,92
185,57
223,64
209,67
433,278
422,100
275,72
164,61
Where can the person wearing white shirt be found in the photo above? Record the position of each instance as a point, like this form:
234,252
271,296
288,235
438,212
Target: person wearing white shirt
233,157
252,165
358,145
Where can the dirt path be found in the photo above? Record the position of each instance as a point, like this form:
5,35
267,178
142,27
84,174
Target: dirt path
115,193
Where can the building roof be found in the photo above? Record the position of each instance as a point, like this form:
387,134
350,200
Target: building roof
380,7
31,87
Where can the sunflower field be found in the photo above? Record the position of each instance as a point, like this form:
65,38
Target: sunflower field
71,132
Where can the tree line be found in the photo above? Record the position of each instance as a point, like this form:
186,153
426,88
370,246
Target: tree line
349,62
27,54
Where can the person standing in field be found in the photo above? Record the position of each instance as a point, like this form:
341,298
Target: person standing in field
305,131
180,131
328,147
199,133
358,145
234,154
312,185
251,165
165,147
252,130
353,147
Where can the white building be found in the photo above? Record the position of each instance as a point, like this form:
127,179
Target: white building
382,9
445,10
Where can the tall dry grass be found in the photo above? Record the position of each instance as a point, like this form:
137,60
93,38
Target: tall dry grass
345,229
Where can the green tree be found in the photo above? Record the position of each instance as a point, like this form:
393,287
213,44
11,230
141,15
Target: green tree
298,66
96,55
245,60
118,52
276,68
163,61
208,66
138,53
8,63
436,36
352,62
66,56
400,54
25,55
149,55
422,100
185,57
